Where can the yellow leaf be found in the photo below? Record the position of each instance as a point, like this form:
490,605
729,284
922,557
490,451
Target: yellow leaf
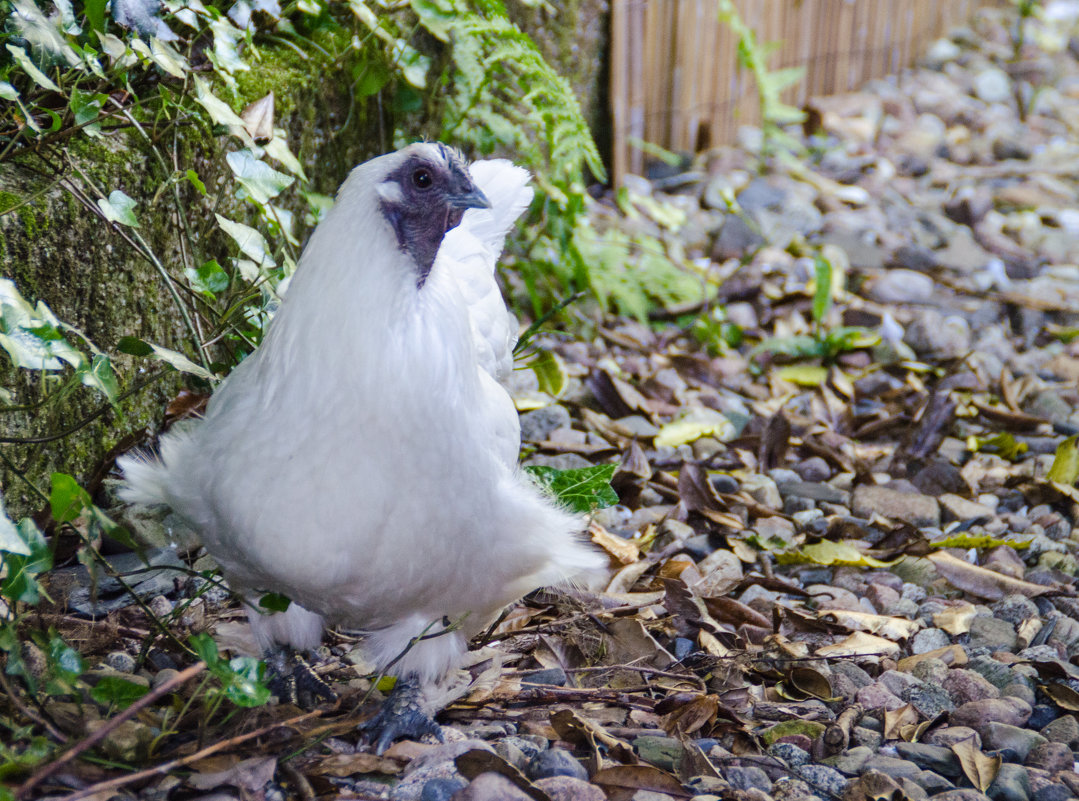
1065,469
550,373
827,552
698,423
804,375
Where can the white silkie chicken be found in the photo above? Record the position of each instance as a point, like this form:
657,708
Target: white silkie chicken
362,462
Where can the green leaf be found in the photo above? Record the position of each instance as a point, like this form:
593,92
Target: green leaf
95,14
119,208
581,489
1065,469
209,279
31,334
822,294
206,649
86,107
550,373
1003,445
36,75
181,363
67,499
260,180
246,686
117,692
64,659
10,540
99,375
19,584
195,181
134,346
251,242
275,602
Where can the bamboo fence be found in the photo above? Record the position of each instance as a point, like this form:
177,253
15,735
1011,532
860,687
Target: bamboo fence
675,79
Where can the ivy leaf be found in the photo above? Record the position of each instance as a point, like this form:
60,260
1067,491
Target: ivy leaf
119,208
95,14
67,499
260,180
275,602
206,650
133,346
246,685
209,279
87,108
100,376
10,539
581,489
251,242
36,75
19,584
550,373
65,660
117,692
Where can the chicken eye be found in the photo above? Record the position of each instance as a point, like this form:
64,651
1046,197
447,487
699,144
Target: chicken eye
421,178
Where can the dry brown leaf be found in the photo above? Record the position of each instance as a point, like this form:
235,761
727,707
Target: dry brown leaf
876,786
728,610
860,644
258,118
979,767
897,719
955,619
247,774
640,777
622,550
980,581
352,764
1063,696
573,728
810,682
951,655
691,717
893,628
472,763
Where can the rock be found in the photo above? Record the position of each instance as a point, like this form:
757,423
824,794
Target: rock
965,685
918,510
442,789
979,714
790,754
566,788
950,735
890,766
1010,739
121,661
491,787
902,286
537,425
555,762
1007,147
1012,784
993,85
663,752
736,240
928,640
1064,729
930,700
852,760
931,757
1050,757
991,633
829,782
128,742
935,336
747,777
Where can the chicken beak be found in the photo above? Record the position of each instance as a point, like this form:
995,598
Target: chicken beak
470,198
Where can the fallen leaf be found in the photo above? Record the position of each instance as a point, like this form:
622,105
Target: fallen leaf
955,620
860,644
980,581
980,768
640,777
258,118
894,628
342,765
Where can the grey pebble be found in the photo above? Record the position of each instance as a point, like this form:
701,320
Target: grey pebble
555,762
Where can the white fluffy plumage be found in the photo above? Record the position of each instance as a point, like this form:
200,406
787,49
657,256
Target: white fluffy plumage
362,461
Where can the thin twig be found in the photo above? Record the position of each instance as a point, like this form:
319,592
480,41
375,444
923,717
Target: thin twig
83,745
5,685
168,767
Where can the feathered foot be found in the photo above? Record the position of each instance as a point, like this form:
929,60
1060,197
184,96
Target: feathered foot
294,681
400,716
